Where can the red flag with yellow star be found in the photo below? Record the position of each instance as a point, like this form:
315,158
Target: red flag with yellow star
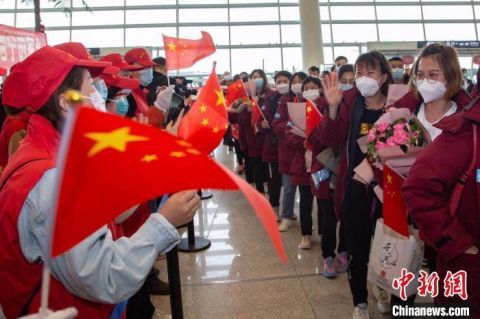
394,210
236,91
206,122
313,118
108,164
183,53
257,113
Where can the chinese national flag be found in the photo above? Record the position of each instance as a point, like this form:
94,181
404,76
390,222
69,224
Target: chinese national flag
183,53
257,114
206,122
108,164
236,91
141,100
394,210
313,118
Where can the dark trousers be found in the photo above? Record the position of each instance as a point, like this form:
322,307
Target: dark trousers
239,154
306,205
139,305
274,184
329,228
358,215
249,164
260,173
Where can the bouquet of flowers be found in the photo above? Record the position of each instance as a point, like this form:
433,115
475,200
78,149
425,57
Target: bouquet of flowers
394,139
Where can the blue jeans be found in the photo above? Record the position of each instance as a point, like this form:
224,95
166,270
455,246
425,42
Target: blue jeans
288,200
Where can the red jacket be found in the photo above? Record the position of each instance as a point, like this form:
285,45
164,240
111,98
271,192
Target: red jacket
427,192
270,142
20,280
279,127
11,126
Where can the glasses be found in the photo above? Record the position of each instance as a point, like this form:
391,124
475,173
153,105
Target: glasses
431,77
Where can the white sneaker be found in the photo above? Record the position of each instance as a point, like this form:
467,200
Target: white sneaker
284,225
383,300
360,313
277,213
306,242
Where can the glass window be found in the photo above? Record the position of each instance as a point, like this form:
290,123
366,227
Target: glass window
324,14
57,37
465,62
219,34
399,13
353,13
351,53
205,65
203,15
8,4
148,37
97,3
29,4
150,2
289,14
292,59
350,1
99,38
354,33
203,1
328,57
447,12
255,34
7,18
25,20
326,34
253,1
151,16
94,18
55,19
253,14
401,32
250,59
450,31
291,33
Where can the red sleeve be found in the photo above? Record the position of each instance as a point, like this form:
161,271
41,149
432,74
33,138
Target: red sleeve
335,132
294,141
279,124
427,192
233,117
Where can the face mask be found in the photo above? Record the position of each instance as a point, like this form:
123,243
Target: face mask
397,74
311,94
228,78
259,82
297,88
367,86
345,86
124,92
146,76
101,88
97,101
282,88
431,92
122,105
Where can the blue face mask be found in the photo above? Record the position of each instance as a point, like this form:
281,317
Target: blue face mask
397,74
101,88
345,86
122,105
146,76
259,83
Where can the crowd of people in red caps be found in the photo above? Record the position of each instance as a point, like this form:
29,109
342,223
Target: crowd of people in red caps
272,156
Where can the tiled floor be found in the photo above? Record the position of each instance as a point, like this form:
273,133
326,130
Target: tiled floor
240,275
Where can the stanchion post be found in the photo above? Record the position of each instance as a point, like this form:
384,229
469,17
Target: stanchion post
175,284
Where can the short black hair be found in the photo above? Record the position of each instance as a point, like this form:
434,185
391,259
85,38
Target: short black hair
283,73
160,60
314,68
311,79
343,69
325,72
300,74
395,58
340,57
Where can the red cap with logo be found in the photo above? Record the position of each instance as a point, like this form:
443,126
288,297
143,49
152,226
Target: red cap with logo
140,56
33,81
120,81
78,50
120,63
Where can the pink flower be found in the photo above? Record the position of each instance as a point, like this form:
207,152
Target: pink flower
371,135
382,127
379,145
400,137
391,142
399,126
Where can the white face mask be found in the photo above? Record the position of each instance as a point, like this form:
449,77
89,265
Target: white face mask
431,92
97,101
282,88
367,86
311,94
297,88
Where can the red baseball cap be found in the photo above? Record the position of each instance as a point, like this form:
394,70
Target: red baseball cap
33,81
120,63
140,56
3,71
120,81
78,50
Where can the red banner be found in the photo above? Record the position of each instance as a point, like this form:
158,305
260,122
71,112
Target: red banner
16,44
